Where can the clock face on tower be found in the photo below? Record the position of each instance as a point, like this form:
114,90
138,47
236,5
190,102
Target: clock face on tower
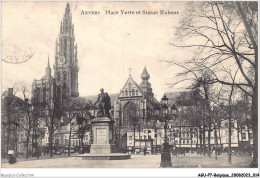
62,60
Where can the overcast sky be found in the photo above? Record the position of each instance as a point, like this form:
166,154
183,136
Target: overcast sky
107,44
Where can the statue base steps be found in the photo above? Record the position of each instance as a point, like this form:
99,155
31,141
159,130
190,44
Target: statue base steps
110,156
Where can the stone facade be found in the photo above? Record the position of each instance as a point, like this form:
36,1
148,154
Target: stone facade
133,106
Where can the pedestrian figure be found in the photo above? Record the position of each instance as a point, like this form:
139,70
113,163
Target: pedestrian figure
145,151
199,165
11,156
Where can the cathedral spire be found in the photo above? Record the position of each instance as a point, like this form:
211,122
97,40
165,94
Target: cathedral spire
48,65
76,50
48,69
56,48
67,10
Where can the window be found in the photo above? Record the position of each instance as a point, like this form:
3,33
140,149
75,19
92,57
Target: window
126,93
149,137
130,138
145,137
243,135
64,75
129,93
58,76
149,131
183,141
251,135
133,92
136,92
188,141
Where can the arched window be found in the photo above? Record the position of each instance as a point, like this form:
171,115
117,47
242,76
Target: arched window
38,94
129,113
58,76
126,93
44,94
133,92
64,75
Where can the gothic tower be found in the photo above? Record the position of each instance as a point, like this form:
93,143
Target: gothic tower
66,59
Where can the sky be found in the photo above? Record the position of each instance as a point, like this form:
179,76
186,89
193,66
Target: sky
107,44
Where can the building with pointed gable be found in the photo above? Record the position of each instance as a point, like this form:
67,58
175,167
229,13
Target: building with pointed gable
133,107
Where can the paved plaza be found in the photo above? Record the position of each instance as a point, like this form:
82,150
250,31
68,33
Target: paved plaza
136,161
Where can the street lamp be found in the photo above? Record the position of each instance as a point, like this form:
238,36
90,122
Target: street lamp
166,113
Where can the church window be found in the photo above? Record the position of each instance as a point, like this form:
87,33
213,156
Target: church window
38,94
126,93
65,45
129,86
64,75
133,92
58,76
129,113
44,94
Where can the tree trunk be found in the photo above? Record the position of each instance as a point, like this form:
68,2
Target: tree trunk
27,143
204,140
229,137
248,132
254,118
69,139
51,137
238,142
209,135
254,106
216,144
230,124
200,140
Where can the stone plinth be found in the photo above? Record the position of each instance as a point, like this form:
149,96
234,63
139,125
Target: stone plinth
102,128
103,147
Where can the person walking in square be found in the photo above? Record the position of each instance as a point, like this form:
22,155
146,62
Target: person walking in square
145,149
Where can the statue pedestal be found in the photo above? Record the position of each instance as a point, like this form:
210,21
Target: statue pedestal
102,128
103,147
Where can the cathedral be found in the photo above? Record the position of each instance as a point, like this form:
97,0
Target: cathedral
134,107
64,83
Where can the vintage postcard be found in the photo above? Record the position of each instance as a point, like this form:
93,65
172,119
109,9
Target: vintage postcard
130,85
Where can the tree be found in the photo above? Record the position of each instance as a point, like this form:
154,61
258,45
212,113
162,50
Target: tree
224,34
70,113
83,116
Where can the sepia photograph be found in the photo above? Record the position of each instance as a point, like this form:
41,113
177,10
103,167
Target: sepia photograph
154,84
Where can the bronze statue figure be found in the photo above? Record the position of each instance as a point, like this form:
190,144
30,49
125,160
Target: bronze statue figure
104,104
